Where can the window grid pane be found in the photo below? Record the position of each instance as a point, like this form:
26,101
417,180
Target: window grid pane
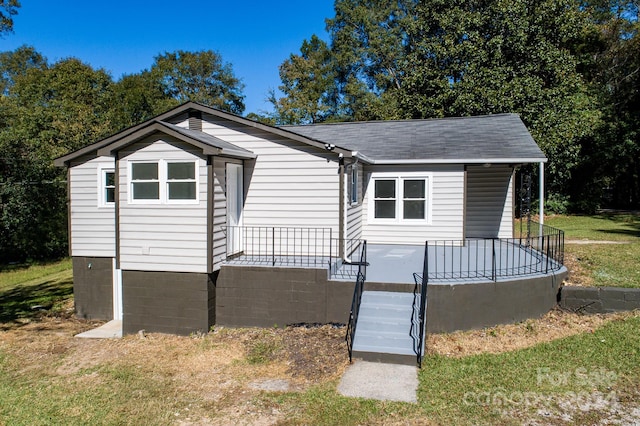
385,209
146,190
144,171
181,171
110,195
182,190
413,209
385,188
414,188
110,179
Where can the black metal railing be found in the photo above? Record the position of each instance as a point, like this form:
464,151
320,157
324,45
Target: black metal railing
282,246
543,238
540,250
419,312
357,298
347,266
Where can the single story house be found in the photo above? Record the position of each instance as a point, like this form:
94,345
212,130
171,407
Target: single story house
162,213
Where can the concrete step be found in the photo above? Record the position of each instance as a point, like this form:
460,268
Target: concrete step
388,342
386,325
375,313
387,298
382,332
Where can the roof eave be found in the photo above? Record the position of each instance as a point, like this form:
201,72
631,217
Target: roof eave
151,128
459,161
97,147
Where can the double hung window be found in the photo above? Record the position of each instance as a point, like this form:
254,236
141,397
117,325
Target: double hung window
106,187
164,181
400,198
145,181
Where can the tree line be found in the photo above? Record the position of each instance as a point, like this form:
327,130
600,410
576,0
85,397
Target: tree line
50,109
570,68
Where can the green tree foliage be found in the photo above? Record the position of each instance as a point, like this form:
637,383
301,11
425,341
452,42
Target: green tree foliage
48,110
201,77
308,82
16,63
435,58
136,98
610,160
8,9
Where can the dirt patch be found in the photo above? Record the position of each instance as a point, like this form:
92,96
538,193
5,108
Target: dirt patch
579,270
504,338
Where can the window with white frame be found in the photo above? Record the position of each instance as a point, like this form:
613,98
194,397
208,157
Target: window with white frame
145,181
353,185
107,187
400,198
163,181
414,199
181,180
385,199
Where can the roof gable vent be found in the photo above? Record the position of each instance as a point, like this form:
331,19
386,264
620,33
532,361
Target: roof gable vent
195,120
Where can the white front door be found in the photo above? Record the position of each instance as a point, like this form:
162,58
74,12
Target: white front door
117,292
235,198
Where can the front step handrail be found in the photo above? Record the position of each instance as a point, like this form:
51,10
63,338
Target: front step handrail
357,299
418,313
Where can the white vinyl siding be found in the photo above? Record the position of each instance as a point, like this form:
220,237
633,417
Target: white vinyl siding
445,197
162,236
290,184
92,221
489,209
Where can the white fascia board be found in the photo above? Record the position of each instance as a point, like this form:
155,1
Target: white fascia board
360,156
459,161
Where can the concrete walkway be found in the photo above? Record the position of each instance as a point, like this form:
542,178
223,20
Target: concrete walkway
384,382
110,330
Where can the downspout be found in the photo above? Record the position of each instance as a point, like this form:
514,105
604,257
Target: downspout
541,190
341,207
117,206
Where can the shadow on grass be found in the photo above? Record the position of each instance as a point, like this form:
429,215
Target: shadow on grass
32,301
629,220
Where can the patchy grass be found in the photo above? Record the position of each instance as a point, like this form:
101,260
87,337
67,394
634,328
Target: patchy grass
601,250
613,265
49,377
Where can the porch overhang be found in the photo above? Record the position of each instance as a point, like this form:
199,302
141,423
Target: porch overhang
423,161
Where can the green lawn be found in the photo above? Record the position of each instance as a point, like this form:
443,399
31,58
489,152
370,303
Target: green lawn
602,264
610,227
26,291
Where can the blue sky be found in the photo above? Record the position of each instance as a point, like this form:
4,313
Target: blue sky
124,36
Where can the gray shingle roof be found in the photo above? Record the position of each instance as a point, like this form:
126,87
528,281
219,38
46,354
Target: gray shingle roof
489,138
